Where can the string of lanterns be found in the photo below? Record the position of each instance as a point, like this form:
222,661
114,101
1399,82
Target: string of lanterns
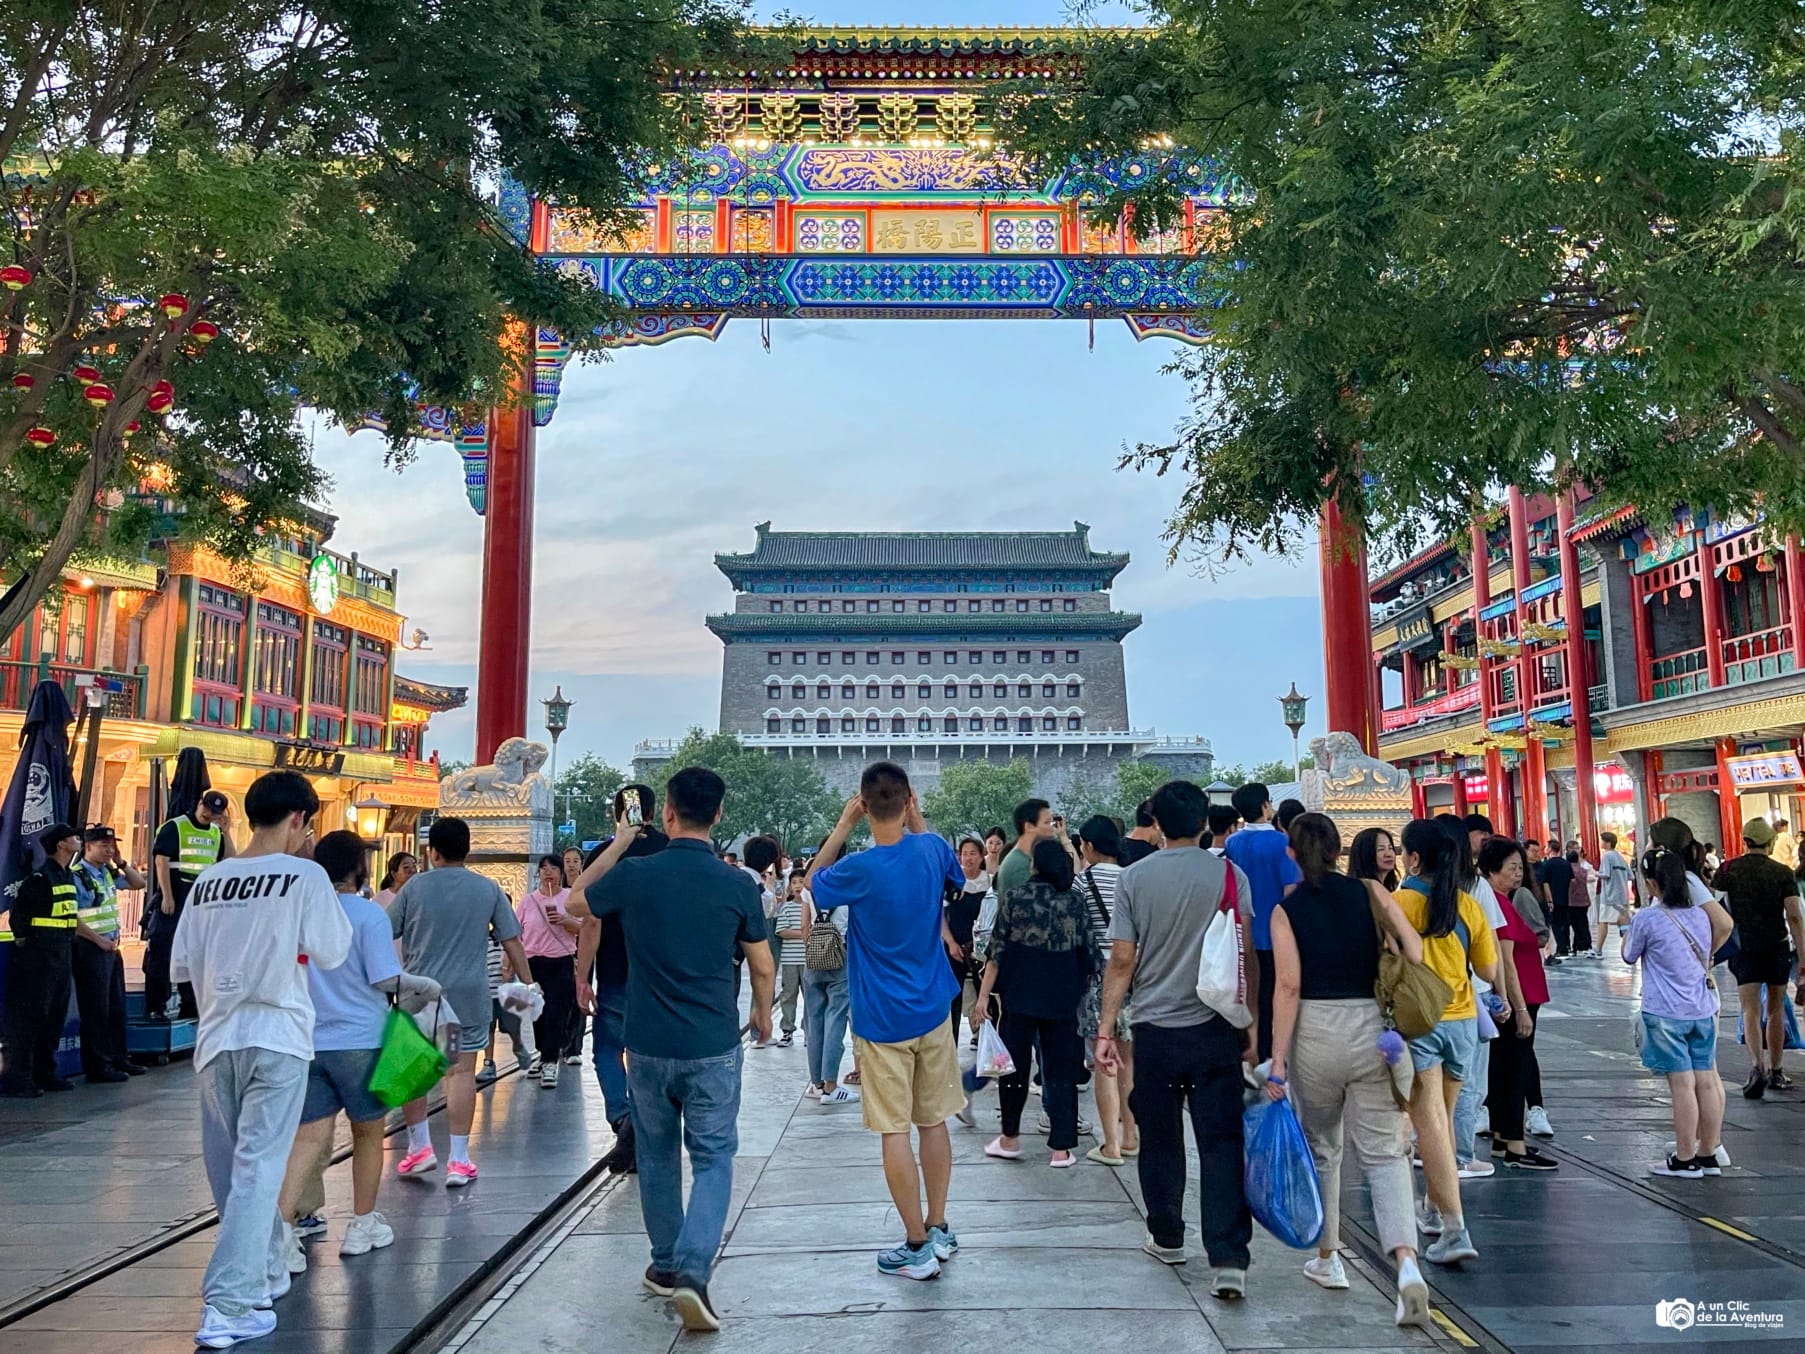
160,399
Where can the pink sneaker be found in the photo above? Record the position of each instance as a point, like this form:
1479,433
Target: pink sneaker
418,1163
459,1173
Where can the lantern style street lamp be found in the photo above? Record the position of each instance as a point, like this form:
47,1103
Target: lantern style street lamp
370,817
1218,792
1293,703
557,719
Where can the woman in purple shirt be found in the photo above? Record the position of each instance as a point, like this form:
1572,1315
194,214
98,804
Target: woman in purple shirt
1674,941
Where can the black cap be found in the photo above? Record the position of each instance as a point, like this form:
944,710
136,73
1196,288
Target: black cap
55,833
99,832
214,800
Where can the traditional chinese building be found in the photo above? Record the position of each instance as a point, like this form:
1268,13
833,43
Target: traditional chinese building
929,648
1679,690
286,660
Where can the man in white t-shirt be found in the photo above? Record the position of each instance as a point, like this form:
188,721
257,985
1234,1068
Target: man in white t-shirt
250,925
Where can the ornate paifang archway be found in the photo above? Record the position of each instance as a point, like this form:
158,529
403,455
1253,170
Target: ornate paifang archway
858,183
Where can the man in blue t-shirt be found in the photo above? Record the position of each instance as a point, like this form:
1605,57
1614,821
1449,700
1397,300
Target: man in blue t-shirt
1264,856
897,945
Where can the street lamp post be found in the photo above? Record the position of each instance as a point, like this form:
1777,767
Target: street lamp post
1293,702
557,719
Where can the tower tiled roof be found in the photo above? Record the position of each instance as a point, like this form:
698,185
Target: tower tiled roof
922,551
1011,627
429,695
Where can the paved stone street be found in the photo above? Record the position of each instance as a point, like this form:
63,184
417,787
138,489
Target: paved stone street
114,1214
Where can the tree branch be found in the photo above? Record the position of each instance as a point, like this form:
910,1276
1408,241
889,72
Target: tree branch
36,67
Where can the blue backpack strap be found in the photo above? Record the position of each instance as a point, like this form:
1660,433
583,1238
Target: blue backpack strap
1466,936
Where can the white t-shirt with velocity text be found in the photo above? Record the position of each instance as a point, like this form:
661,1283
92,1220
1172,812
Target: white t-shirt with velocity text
250,925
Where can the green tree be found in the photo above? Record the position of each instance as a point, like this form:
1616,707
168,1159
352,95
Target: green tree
311,187
1479,245
1135,782
974,796
585,797
786,797
1278,771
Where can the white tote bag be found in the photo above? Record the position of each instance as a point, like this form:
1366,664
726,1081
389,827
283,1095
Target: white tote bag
1221,975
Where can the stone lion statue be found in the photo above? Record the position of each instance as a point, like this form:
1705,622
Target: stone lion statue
509,779
1345,768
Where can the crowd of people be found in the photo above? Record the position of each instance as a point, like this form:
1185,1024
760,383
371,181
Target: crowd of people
1394,987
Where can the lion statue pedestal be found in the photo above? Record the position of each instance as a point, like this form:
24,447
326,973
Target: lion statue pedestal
508,805
1356,790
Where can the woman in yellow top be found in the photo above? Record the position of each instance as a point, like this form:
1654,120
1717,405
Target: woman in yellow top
1456,940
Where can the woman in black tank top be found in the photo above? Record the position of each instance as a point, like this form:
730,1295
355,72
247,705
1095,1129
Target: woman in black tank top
1329,1050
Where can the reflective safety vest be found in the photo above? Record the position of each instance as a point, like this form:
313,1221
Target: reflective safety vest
102,915
62,916
197,847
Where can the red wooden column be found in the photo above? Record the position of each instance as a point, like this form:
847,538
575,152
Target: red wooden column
1347,630
1496,789
1795,599
1579,681
1535,768
1460,794
501,661
1641,630
1711,602
1729,809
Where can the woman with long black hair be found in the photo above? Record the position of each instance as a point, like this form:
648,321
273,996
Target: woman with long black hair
1457,941
1327,1037
1374,856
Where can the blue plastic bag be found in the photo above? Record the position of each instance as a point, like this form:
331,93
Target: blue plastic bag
1280,1175
1792,1023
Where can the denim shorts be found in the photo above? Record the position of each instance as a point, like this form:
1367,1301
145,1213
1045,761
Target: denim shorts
339,1079
1453,1045
1670,1044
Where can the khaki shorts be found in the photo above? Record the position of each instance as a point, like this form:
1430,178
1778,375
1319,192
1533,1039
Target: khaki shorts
916,1082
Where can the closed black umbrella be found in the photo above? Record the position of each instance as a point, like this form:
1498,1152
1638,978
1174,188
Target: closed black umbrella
188,784
42,792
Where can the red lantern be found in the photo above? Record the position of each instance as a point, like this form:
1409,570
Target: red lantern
40,437
24,381
86,375
1733,574
174,305
161,401
129,429
203,332
100,396
13,277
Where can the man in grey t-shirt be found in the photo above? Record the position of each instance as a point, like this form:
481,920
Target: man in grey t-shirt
1186,1056
444,919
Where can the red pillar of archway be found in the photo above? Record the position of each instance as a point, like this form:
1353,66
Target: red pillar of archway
501,661
1535,771
1347,630
1579,680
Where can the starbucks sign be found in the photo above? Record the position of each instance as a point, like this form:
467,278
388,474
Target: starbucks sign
322,584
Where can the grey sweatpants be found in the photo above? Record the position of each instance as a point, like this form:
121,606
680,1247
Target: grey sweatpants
1342,1086
250,1108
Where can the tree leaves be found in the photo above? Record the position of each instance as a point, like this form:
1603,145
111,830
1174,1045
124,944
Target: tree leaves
1487,245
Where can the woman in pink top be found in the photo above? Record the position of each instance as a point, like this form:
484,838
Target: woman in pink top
549,934
1525,986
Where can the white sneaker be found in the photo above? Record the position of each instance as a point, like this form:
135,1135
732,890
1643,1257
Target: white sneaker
294,1255
1482,1122
811,1092
1537,1122
574,1060
1477,1169
532,1068
222,1332
1326,1273
1413,1296
841,1095
548,1075
366,1234
965,1116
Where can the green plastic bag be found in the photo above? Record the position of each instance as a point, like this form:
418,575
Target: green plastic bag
409,1065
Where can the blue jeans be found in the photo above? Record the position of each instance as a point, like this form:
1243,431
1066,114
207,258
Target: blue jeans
1466,1108
826,1009
680,1103
610,1051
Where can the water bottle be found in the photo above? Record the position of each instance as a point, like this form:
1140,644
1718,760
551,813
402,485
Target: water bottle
1495,1004
173,1007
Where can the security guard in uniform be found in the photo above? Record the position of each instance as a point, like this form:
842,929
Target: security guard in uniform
44,924
185,845
99,967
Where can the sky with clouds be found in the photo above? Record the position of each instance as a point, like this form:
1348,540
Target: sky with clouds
660,457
